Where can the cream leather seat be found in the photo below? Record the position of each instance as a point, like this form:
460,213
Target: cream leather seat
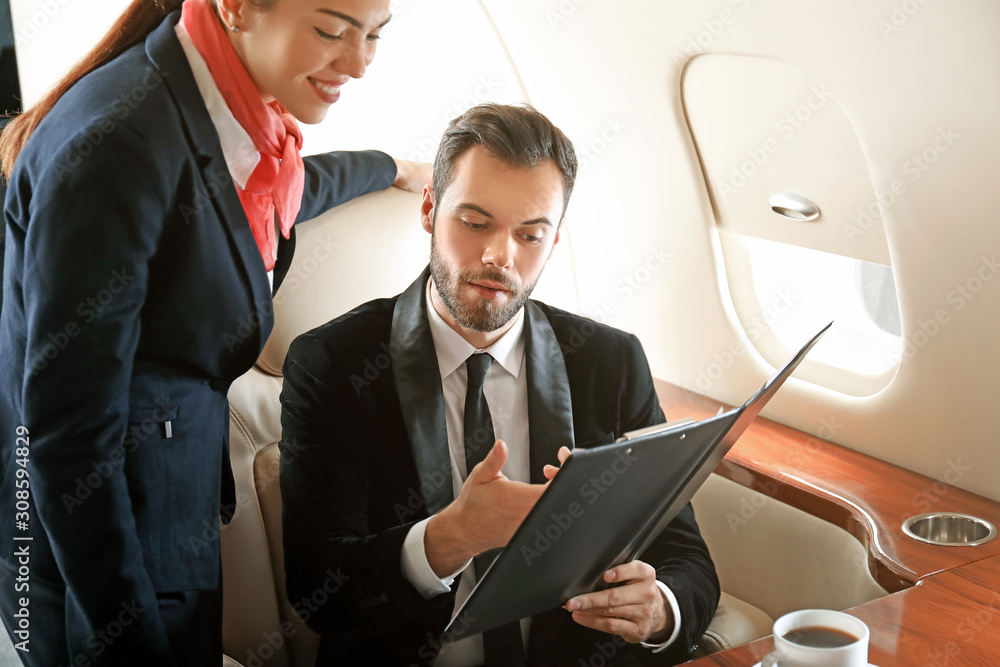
334,270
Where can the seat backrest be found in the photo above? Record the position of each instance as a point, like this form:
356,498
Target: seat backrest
302,642
250,598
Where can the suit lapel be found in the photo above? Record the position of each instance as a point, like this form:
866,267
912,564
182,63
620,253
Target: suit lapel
418,384
550,406
165,52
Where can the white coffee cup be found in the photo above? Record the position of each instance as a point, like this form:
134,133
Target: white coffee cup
788,653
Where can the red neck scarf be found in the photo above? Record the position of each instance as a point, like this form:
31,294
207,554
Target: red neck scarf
277,182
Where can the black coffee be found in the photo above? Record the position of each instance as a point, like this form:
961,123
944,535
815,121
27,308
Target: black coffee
817,636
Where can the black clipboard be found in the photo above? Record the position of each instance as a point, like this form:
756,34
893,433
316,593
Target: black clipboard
604,508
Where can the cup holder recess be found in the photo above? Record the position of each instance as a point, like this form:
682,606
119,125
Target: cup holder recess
949,529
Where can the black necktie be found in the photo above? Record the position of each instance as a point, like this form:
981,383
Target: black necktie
502,646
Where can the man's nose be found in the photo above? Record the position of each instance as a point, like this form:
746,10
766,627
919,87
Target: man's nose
499,251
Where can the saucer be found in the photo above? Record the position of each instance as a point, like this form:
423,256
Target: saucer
757,664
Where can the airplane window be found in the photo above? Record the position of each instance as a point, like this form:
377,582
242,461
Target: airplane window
814,286
783,293
798,216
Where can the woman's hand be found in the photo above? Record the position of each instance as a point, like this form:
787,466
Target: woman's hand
412,176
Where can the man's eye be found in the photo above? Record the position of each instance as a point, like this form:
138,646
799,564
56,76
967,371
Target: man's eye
374,37
473,225
327,36
532,239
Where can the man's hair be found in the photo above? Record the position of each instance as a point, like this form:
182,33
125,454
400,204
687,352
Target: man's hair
518,136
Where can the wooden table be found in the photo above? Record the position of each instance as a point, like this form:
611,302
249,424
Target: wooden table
944,604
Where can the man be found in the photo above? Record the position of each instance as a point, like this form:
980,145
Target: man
374,471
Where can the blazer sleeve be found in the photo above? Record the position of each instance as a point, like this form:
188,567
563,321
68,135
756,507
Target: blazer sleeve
94,225
679,553
334,178
325,488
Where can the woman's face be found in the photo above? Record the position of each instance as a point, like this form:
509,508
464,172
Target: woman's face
300,52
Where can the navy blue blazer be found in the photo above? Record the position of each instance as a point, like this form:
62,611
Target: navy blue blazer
134,294
364,456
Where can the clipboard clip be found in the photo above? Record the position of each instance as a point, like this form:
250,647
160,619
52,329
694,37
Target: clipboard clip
657,428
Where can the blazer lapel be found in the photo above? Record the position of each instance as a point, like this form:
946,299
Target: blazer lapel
550,406
418,384
165,52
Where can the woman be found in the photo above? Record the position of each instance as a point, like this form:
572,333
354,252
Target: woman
149,216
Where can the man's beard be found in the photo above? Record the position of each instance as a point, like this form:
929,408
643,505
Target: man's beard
483,315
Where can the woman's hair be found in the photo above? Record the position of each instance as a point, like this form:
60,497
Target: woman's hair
132,27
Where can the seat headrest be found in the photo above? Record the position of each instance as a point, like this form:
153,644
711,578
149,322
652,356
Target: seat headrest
368,248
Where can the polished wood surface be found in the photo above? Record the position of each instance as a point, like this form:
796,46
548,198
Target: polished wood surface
944,606
866,496
950,619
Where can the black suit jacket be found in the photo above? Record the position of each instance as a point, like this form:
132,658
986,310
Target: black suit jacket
134,294
364,455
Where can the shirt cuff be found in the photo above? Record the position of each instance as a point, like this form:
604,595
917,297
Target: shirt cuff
675,610
417,570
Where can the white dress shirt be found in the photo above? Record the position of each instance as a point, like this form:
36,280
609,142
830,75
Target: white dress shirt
506,392
238,148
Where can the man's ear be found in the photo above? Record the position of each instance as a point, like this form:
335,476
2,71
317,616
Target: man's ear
427,209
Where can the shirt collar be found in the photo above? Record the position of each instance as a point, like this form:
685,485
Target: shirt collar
237,147
452,350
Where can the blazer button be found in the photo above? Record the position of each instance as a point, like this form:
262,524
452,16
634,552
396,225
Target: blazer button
219,384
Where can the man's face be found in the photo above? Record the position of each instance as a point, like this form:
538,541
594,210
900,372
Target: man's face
492,230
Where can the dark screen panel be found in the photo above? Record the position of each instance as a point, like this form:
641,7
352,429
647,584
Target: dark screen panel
10,89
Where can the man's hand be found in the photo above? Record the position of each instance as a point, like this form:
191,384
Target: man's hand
485,515
550,470
412,176
635,610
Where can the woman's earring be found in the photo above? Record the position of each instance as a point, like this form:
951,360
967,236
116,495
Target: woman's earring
234,28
